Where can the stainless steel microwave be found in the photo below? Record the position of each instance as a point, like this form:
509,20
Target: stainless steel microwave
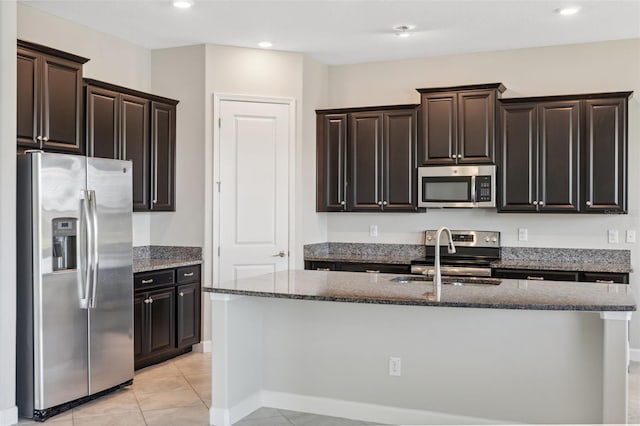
457,186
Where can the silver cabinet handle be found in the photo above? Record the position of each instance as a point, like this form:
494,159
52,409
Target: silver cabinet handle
379,203
181,294
281,253
373,271
46,138
384,203
342,203
147,301
453,156
535,203
149,281
39,138
605,281
187,274
323,269
459,155
541,203
588,203
150,300
535,278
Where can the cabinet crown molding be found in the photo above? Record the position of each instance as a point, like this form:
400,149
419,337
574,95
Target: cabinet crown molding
576,97
497,86
51,51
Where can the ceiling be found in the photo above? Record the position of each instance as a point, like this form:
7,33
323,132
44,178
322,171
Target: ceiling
345,32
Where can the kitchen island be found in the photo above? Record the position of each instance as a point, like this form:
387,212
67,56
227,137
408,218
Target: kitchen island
521,351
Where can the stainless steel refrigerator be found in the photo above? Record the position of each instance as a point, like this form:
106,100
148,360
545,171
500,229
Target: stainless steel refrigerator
75,280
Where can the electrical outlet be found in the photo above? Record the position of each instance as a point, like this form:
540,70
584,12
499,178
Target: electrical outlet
395,366
631,235
613,236
523,234
373,230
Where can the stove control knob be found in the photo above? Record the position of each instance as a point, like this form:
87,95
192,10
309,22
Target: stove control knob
494,239
487,239
429,238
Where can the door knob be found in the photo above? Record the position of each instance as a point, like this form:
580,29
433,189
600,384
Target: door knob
281,253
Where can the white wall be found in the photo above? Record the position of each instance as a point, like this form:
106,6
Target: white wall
583,68
111,59
179,73
8,411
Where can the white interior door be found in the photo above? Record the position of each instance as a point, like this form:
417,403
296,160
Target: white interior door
254,191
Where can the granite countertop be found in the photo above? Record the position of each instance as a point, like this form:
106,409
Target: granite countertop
356,287
153,258
548,265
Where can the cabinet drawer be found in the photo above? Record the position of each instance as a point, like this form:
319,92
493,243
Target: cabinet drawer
532,274
189,274
382,268
604,277
153,279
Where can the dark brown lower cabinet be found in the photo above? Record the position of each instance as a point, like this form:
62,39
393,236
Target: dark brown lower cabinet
166,314
188,299
383,268
550,275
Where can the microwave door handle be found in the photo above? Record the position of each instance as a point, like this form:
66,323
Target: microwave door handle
473,190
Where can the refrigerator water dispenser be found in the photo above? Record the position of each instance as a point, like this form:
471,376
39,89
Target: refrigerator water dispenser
64,243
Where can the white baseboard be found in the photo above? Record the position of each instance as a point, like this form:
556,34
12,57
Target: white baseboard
220,417
204,346
366,412
634,355
9,416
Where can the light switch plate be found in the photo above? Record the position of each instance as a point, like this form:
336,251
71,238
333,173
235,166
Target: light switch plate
613,236
631,235
523,234
373,230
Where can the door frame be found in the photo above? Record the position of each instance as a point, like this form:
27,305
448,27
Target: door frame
214,160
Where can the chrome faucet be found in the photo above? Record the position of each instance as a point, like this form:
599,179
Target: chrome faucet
451,249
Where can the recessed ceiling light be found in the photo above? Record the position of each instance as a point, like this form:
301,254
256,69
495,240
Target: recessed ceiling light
183,4
567,11
403,31
265,44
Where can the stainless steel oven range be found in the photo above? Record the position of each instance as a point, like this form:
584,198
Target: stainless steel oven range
475,251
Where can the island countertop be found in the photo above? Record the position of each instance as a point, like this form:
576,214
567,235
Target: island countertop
358,287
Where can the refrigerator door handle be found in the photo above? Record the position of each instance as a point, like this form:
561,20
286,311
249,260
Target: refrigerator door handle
94,221
85,247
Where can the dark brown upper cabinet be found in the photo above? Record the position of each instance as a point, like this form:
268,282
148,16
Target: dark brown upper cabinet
605,154
129,125
331,157
563,154
539,156
458,124
163,153
49,99
367,159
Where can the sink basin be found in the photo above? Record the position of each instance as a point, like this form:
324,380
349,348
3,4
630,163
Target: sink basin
405,279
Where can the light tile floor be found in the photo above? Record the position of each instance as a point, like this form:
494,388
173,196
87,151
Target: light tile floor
178,392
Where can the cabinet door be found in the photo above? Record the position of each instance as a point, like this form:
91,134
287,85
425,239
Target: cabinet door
134,146
439,128
559,135
518,157
188,314
61,105
28,90
605,154
160,328
102,123
399,170
476,126
331,162
364,171
163,146
139,320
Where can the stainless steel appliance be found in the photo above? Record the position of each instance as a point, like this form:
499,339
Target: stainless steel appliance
475,251
457,186
75,280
